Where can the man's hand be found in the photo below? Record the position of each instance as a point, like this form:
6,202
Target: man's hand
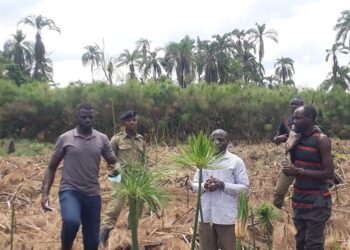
213,184
292,170
45,203
280,138
116,169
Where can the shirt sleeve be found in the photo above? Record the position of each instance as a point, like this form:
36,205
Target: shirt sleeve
241,179
107,151
114,145
59,148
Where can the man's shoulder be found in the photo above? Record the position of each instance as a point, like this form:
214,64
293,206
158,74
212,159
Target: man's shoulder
67,134
118,135
233,157
99,134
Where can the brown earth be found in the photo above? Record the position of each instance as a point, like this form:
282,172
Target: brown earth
34,229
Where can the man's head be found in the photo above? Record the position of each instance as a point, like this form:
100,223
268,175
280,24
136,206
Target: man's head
220,138
130,120
85,116
296,102
304,118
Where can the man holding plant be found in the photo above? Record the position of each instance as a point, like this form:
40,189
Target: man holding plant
222,184
130,148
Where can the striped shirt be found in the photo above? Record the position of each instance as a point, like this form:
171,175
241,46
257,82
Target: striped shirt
309,192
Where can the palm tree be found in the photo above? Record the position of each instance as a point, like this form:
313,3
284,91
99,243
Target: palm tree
182,57
152,63
20,51
200,152
129,59
39,22
284,69
342,80
91,57
222,44
271,81
139,185
258,35
168,65
143,46
205,59
336,49
343,27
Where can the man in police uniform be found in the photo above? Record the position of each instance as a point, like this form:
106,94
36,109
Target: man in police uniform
130,149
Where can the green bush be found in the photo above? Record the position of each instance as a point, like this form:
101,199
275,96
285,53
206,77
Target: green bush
168,112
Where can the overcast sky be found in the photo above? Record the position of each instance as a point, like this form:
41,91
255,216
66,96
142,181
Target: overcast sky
305,28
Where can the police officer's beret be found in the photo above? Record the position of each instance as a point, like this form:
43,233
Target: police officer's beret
128,114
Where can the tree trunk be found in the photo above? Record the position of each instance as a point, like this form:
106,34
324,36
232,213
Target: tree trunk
198,209
133,222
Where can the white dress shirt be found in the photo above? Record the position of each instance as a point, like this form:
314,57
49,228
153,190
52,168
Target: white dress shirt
220,206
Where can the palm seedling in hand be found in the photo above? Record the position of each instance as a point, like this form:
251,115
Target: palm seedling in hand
199,152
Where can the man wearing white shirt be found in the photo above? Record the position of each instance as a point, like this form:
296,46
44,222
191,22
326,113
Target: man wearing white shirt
221,187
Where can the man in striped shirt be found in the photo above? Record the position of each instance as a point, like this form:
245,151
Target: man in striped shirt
312,166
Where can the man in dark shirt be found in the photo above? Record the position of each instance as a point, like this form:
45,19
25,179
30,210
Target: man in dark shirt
286,123
283,181
80,149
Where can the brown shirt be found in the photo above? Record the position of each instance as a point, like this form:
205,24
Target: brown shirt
129,149
81,160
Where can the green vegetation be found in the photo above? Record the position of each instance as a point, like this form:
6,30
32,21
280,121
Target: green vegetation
141,185
266,214
26,148
168,112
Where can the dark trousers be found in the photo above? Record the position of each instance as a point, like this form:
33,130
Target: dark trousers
78,208
310,225
215,236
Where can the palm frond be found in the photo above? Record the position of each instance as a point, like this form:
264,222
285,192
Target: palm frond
200,152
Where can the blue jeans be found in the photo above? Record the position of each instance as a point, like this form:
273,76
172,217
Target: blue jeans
78,208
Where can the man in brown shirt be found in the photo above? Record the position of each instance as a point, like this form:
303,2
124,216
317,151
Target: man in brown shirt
130,149
80,202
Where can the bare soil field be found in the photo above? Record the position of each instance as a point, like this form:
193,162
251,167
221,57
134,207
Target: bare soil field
21,177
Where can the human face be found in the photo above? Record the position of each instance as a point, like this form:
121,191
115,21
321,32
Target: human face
294,104
300,121
221,141
130,124
85,119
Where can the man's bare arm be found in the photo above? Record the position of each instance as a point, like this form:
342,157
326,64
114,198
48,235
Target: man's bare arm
327,172
48,180
327,161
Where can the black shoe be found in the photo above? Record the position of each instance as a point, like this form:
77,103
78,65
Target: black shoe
104,235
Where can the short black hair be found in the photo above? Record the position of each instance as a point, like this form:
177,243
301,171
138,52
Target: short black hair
310,111
84,106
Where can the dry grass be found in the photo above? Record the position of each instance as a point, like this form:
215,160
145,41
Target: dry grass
38,230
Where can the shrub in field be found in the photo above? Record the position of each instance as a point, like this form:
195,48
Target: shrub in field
168,113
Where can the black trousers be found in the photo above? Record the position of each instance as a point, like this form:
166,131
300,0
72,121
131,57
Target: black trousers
310,225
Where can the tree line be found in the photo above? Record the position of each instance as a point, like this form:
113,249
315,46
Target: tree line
225,58
168,112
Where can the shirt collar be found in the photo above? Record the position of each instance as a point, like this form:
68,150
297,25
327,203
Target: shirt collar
125,135
76,133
